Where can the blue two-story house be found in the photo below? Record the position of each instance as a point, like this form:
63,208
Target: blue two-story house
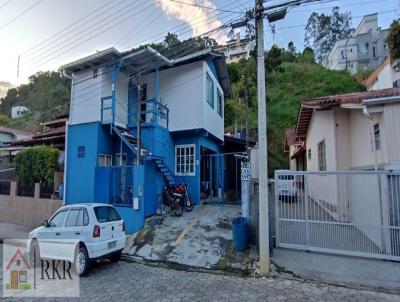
139,120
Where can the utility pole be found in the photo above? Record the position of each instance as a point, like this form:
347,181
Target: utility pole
246,93
139,117
262,142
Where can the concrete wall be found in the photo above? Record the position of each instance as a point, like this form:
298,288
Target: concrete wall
26,210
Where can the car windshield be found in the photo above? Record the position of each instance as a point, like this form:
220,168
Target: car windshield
106,214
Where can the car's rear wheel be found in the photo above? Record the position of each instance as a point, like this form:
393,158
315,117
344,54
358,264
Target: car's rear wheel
82,261
116,256
34,254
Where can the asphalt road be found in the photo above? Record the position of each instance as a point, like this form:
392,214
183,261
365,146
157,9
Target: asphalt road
127,281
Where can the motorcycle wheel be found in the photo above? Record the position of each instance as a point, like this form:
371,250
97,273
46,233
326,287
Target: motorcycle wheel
177,207
189,204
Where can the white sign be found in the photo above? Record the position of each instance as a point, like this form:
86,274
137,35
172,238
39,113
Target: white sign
246,170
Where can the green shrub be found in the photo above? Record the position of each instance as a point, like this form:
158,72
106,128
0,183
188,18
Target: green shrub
37,165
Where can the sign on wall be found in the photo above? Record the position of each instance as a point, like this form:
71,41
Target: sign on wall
246,170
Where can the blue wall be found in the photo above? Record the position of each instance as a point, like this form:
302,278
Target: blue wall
134,219
199,138
80,184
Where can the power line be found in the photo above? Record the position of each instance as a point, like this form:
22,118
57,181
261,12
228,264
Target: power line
36,62
207,7
63,50
68,40
43,43
5,3
20,15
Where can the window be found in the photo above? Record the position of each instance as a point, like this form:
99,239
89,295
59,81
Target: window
104,160
185,160
396,84
74,218
309,154
219,103
377,136
118,161
210,91
85,217
374,51
106,214
321,156
58,219
81,151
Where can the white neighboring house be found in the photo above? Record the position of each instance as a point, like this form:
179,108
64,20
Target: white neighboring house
353,133
18,111
237,49
365,49
386,75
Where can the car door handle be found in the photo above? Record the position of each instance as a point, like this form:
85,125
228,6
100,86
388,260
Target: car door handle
57,234
77,233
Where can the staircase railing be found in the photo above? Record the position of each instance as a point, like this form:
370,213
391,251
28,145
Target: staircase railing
159,112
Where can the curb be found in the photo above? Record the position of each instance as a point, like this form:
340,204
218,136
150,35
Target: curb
281,274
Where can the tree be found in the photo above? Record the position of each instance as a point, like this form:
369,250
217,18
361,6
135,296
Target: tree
36,165
322,31
393,39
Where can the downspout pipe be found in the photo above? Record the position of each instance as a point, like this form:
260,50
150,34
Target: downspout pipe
371,122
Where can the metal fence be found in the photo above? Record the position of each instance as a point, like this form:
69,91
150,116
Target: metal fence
352,213
121,185
5,187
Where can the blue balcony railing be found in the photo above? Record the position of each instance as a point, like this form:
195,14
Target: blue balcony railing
159,113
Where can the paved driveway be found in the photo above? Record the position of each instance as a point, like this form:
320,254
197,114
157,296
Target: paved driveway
201,238
135,282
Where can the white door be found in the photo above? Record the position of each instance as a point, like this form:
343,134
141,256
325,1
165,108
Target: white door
72,233
50,238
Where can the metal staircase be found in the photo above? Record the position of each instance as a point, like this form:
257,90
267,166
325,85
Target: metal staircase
131,142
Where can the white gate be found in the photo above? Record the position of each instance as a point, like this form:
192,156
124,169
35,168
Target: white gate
351,213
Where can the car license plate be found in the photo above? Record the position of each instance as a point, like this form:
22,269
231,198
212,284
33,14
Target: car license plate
112,244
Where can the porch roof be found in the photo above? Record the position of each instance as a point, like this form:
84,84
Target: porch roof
146,60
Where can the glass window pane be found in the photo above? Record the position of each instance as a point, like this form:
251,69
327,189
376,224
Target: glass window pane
58,219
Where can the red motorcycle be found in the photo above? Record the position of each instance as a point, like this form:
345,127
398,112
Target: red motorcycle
186,199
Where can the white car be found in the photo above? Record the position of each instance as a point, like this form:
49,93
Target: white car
287,185
79,233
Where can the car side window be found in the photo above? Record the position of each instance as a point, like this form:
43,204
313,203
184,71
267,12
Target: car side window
85,217
58,219
74,218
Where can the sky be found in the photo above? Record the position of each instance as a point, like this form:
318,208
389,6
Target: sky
46,34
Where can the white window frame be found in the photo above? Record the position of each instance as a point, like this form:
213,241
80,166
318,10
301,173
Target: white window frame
220,102
124,159
108,160
211,102
185,164
322,166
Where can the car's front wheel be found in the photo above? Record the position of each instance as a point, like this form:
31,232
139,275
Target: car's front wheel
82,261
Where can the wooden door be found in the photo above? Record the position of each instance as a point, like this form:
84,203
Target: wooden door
14,280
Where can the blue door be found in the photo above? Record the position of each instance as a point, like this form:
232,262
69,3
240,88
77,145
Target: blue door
132,105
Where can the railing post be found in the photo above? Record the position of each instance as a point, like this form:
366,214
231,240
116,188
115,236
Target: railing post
277,214
306,201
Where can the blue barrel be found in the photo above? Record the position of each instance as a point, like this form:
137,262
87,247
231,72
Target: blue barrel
240,233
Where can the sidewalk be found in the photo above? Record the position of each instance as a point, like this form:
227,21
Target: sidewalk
340,270
13,231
